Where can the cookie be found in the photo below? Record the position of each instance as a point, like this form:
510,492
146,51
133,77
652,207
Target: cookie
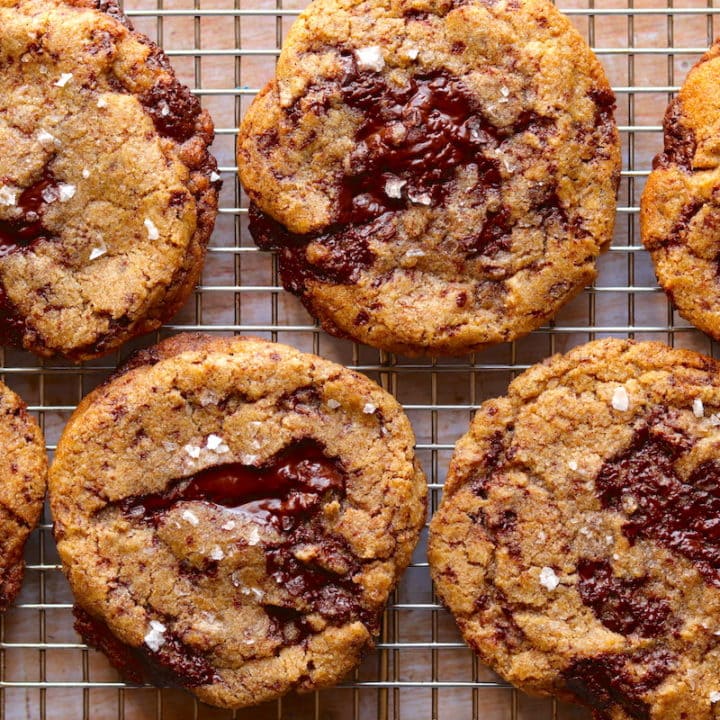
23,474
577,540
437,176
108,194
680,206
232,515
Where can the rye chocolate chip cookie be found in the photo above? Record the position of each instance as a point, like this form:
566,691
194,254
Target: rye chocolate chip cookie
437,176
107,192
23,473
232,515
680,206
577,541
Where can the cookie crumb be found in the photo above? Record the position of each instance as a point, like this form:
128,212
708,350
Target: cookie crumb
191,517
46,139
698,408
369,58
548,578
369,408
152,231
65,78
8,195
155,637
620,399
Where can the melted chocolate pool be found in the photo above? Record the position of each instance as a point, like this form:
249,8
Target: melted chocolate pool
288,486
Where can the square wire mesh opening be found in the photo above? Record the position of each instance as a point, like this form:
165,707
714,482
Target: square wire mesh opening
225,50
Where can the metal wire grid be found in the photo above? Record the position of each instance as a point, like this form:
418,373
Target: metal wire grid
225,50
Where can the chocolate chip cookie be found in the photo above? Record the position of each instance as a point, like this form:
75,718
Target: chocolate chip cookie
232,515
577,540
108,194
23,474
437,176
680,206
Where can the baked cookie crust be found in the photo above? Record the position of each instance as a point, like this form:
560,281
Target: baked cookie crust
436,176
108,193
232,515
575,543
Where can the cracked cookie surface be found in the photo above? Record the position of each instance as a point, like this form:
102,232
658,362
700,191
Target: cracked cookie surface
232,515
437,176
576,542
680,206
108,194
23,473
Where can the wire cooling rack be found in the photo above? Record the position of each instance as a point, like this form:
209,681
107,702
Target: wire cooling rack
225,50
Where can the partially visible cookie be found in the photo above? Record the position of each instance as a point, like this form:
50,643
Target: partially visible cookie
577,540
108,194
436,176
232,515
23,473
680,206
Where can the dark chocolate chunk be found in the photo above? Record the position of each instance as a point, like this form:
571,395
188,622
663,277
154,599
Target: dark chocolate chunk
680,143
174,663
681,514
622,604
603,682
22,232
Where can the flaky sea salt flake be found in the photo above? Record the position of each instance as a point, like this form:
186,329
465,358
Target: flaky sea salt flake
333,404
8,195
214,177
216,553
548,578
714,697
620,399
152,231
370,58
102,102
66,192
229,525
394,186
97,252
192,450
155,637
190,517
572,464
698,408
369,408
65,78
214,441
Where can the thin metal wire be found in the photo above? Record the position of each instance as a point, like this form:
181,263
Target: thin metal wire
421,668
